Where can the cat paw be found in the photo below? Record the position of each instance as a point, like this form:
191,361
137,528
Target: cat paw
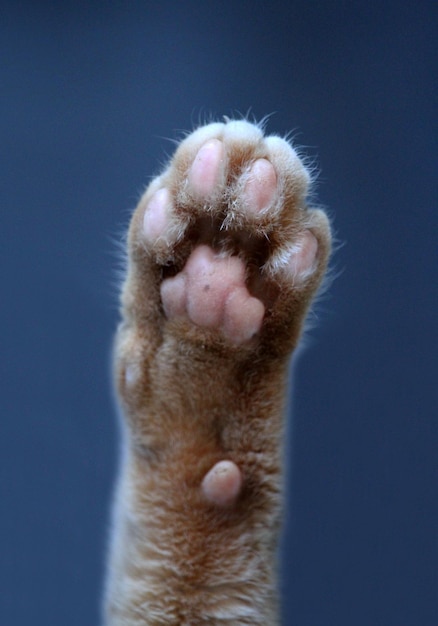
224,259
222,244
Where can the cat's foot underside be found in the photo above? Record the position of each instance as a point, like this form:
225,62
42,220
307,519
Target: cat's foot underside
222,245
224,260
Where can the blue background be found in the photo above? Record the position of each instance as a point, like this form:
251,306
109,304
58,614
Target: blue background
89,94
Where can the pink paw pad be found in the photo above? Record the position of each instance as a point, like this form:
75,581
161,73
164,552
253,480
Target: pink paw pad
209,281
207,168
211,292
156,216
243,316
222,484
261,186
301,262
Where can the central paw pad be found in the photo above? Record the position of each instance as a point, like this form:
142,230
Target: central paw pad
211,292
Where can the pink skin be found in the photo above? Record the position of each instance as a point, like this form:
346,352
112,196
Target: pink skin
210,279
261,186
207,168
222,484
302,259
243,316
155,220
211,292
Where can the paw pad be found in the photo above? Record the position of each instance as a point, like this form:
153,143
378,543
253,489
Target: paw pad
222,484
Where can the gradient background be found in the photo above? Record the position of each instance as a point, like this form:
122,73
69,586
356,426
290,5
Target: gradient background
89,92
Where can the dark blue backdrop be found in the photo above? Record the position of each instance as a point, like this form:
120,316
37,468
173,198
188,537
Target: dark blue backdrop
88,94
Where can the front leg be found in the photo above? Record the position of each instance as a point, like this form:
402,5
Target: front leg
224,260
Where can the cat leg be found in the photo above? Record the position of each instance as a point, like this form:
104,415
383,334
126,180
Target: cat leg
224,259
